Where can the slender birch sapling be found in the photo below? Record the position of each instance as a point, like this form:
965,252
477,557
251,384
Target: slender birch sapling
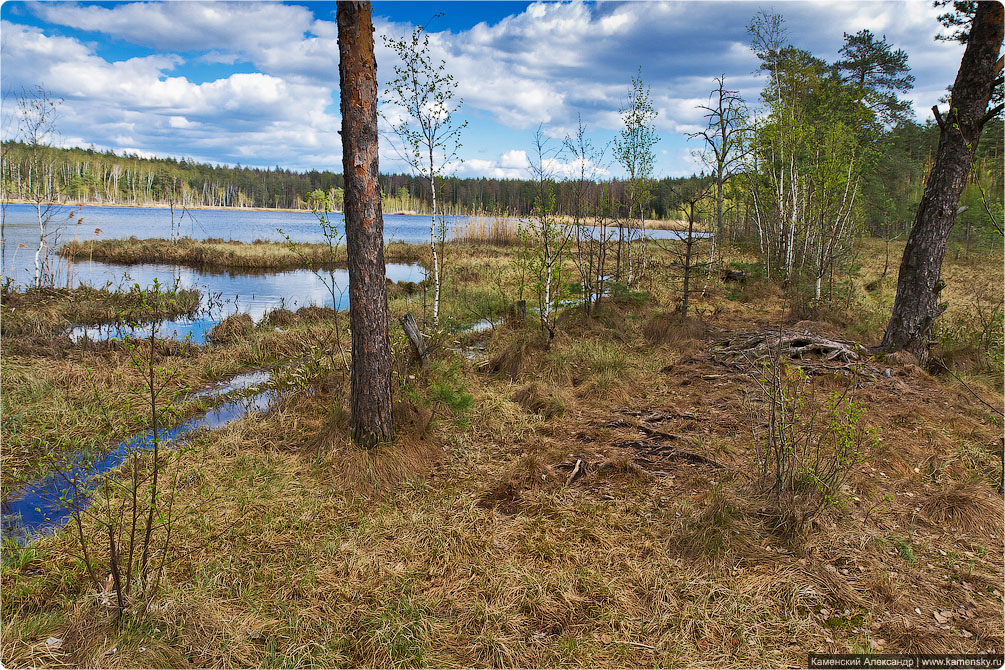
634,150
429,134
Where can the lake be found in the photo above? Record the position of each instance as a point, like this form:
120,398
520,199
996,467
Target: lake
251,292
21,227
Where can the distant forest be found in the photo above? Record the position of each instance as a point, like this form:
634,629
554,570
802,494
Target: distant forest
890,191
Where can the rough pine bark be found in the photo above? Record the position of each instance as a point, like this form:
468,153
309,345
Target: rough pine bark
371,419
917,303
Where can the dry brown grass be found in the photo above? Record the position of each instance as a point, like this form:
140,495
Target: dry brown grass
511,360
46,312
280,317
470,544
536,398
496,230
965,509
669,328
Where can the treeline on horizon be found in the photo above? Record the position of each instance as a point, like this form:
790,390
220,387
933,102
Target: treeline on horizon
890,193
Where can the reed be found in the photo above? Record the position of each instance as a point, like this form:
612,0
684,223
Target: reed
496,230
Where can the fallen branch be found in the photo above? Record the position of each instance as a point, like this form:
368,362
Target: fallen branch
984,402
640,645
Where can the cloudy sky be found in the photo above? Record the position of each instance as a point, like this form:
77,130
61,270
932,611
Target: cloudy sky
257,83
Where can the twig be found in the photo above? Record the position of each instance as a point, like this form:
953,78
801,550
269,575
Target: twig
640,645
984,402
575,471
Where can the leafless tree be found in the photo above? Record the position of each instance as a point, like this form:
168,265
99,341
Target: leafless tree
37,115
590,240
727,119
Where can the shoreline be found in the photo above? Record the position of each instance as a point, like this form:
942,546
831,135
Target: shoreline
160,205
221,208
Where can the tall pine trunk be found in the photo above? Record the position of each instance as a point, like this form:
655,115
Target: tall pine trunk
918,285
371,418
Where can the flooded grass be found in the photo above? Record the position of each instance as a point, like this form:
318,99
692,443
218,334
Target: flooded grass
46,312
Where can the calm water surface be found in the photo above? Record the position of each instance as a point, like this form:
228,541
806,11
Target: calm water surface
21,227
224,293
227,292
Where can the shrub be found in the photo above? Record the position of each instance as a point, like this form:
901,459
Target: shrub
804,449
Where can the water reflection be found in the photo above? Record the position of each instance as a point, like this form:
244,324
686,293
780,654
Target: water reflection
224,293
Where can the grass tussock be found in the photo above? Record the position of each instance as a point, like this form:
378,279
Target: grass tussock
280,317
670,329
377,471
536,398
965,509
716,529
513,357
231,329
606,320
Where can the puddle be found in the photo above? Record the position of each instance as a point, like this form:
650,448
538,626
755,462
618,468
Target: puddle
479,326
241,382
42,508
195,331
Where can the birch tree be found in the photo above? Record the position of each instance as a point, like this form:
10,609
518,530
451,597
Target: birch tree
429,132
634,150
776,229
547,239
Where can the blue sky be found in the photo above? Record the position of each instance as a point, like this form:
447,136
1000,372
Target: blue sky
257,83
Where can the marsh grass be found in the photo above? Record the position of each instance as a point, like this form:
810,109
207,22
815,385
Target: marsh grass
496,230
219,253
60,397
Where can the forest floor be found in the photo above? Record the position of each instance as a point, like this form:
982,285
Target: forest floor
592,503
